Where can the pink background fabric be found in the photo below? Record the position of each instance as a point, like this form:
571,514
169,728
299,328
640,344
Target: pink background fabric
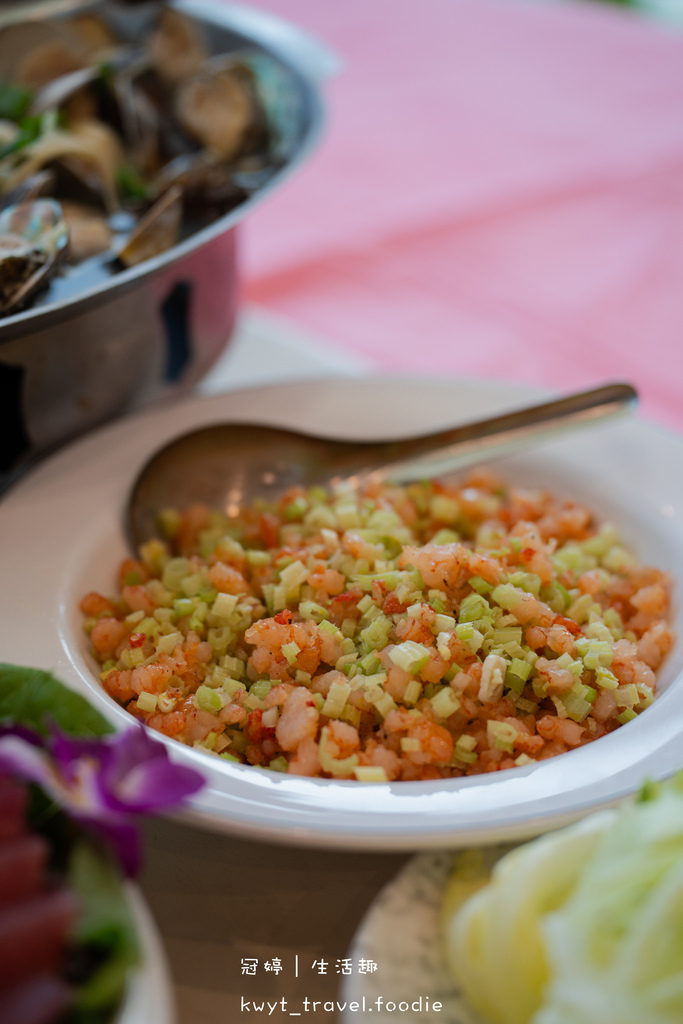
499,193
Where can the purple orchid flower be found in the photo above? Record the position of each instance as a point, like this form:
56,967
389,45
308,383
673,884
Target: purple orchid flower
101,783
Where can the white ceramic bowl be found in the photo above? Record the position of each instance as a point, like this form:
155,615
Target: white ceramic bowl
62,536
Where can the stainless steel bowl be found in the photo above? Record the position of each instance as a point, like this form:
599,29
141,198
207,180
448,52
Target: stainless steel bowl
154,330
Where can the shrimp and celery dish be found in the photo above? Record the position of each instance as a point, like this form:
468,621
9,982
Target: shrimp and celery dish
402,633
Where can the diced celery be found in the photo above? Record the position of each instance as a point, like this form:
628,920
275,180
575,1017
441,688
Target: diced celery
520,669
384,704
208,699
175,572
445,536
261,688
473,607
336,699
410,656
269,718
442,623
479,585
133,658
224,605
413,692
618,559
466,632
501,735
257,558
466,742
445,703
506,596
312,611
147,702
526,705
580,609
292,577
626,716
627,696
290,652
279,764
351,715
369,773
231,686
410,745
318,700
376,634
527,581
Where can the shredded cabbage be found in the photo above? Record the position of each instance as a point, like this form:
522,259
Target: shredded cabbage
583,926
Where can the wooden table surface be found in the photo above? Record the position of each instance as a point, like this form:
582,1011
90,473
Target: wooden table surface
218,900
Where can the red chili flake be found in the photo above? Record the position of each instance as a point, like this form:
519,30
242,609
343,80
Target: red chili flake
136,639
392,605
285,617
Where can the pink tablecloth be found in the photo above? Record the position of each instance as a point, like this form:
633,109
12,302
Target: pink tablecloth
500,192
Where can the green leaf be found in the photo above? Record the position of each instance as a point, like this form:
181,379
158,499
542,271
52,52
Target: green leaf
14,101
105,928
131,184
31,697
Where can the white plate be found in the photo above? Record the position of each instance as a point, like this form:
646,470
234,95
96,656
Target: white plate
401,934
62,537
149,991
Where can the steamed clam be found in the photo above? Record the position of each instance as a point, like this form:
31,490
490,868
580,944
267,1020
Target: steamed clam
33,239
119,121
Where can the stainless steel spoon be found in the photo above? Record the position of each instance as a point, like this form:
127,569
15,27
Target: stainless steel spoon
228,465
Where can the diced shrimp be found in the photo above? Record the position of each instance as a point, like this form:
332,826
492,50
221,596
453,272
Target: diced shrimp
652,600
107,634
94,605
439,564
563,729
487,568
378,756
412,629
322,683
198,725
433,670
194,520
492,679
560,640
138,599
306,761
269,637
591,582
329,580
436,743
605,706
131,571
331,646
344,737
227,579
529,608
299,718
654,644
232,713
118,685
277,696
170,724
150,678
559,680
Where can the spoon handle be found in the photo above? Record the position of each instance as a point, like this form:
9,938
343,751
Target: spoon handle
426,457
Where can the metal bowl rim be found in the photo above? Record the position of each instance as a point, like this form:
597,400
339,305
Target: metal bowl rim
40,317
